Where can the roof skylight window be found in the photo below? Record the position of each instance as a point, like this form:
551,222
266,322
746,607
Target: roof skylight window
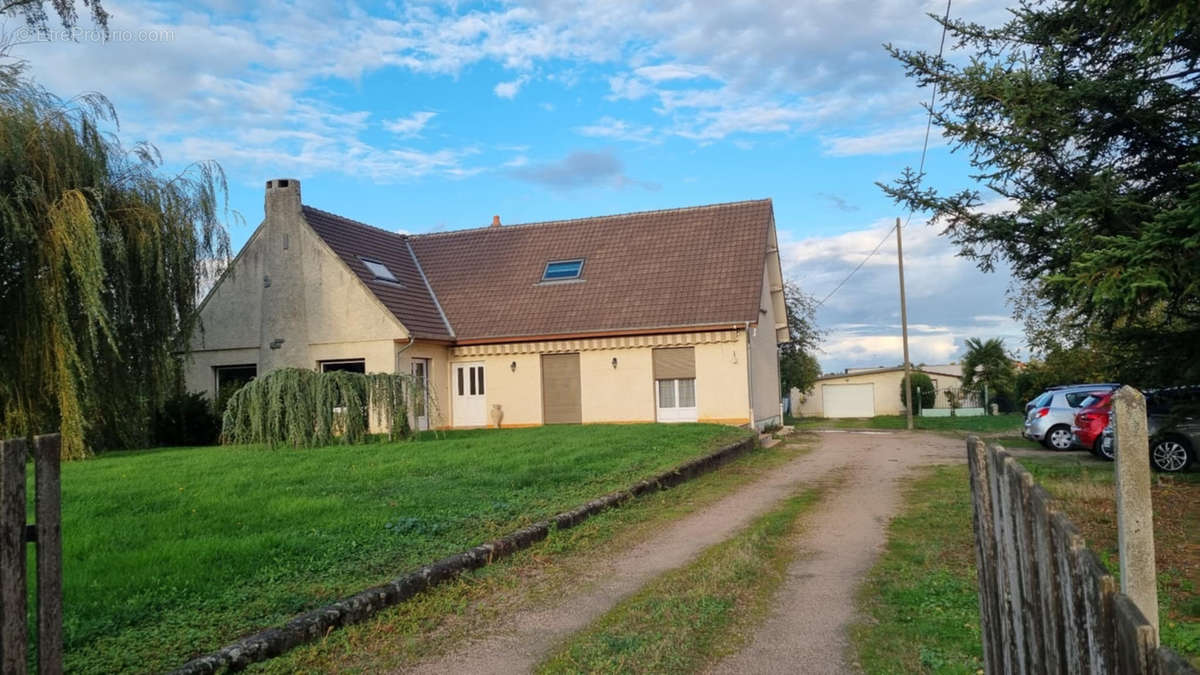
563,270
381,271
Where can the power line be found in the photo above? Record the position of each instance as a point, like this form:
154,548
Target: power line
920,168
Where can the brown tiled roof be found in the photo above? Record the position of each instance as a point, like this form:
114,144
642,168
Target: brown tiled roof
696,266
410,301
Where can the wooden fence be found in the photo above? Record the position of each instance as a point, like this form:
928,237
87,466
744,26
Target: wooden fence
14,535
1046,603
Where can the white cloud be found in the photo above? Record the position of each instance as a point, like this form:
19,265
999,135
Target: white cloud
619,130
717,124
713,69
889,142
854,350
671,71
509,89
242,89
949,299
622,87
412,125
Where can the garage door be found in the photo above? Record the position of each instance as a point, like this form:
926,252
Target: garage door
849,400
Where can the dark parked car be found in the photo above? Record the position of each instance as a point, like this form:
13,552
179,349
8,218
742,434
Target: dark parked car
1173,421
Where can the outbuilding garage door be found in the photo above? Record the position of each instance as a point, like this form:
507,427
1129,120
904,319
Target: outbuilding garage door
849,400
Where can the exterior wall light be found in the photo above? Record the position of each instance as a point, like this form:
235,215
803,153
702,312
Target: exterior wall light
513,366
614,362
276,343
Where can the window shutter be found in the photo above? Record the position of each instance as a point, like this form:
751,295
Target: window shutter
678,363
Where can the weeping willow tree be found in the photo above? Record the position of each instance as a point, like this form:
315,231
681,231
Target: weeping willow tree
101,261
304,408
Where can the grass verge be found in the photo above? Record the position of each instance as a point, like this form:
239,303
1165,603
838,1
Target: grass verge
478,603
691,617
987,424
1084,489
920,601
174,552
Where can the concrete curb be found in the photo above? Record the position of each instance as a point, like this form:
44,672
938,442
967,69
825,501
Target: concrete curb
314,625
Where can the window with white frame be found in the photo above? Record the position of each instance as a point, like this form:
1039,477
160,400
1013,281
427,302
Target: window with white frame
675,384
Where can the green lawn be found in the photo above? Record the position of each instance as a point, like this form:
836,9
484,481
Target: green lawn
169,553
920,598
989,424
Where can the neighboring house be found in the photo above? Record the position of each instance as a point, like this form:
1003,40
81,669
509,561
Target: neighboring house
663,316
866,392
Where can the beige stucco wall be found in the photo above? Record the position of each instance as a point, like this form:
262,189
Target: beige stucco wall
313,302
722,389
887,392
621,394
624,394
764,357
518,393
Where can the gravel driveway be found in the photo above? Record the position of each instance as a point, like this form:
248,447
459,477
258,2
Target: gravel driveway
805,631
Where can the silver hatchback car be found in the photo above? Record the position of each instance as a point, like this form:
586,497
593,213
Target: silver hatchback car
1049,417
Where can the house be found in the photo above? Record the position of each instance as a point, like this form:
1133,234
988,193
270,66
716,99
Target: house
665,316
867,392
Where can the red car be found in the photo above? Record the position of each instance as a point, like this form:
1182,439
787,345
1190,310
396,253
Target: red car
1091,420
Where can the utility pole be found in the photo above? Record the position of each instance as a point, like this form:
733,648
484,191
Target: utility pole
904,328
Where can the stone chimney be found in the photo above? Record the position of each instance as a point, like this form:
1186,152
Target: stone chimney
495,221
283,194
284,316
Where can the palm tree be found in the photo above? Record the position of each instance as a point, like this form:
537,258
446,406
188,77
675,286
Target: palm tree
987,364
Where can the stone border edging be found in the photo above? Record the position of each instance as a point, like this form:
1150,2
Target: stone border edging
317,623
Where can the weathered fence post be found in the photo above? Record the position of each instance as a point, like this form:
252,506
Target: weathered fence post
1031,623
12,557
1046,603
1135,512
1068,544
1043,554
48,508
985,553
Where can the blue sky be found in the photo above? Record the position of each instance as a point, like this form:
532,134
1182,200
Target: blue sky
425,116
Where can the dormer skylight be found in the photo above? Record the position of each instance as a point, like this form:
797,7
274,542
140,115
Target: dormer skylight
381,271
563,270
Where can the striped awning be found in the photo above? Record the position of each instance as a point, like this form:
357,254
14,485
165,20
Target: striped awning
591,344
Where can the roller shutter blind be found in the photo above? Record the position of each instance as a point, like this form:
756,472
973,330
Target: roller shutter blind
561,392
676,363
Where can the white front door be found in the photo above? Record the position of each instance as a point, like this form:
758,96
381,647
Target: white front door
470,403
420,373
675,400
